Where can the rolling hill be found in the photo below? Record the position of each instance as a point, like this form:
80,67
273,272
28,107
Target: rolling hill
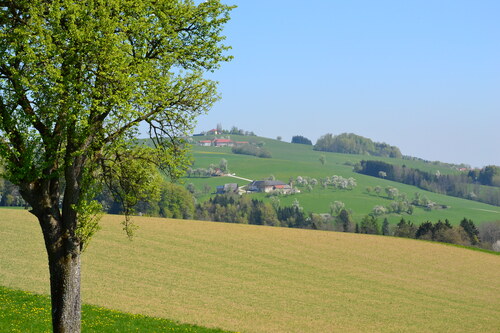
292,160
262,279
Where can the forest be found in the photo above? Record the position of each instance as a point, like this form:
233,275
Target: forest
349,143
479,185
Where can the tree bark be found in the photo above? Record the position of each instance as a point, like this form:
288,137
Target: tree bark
64,266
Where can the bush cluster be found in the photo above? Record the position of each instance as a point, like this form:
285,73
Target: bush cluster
253,150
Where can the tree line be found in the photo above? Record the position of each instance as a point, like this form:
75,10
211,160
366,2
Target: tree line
463,185
243,209
486,236
251,149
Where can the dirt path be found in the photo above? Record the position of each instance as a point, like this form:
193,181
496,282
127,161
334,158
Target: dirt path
234,176
487,210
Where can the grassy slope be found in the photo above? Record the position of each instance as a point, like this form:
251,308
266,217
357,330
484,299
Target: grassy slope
292,160
26,312
263,279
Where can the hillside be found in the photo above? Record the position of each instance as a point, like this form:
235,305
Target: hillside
262,279
292,160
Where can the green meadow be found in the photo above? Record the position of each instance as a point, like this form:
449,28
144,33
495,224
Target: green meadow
249,278
22,312
292,160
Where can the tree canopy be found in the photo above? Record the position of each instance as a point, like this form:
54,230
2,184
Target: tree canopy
77,79
349,143
301,139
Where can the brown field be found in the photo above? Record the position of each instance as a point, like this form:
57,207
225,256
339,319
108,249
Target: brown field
264,279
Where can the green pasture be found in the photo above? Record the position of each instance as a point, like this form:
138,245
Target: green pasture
300,152
22,311
292,160
262,279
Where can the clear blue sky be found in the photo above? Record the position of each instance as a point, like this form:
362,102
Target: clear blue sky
422,75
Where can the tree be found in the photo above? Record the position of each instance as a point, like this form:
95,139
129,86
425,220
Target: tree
191,188
487,174
405,229
379,210
385,227
489,233
369,225
301,140
391,192
206,188
345,219
322,159
336,207
471,230
76,80
296,205
275,202
425,231
223,165
176,202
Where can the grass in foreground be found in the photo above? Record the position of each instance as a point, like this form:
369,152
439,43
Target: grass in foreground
22,311
262,279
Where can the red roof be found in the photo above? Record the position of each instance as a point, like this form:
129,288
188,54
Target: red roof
222,140
205,141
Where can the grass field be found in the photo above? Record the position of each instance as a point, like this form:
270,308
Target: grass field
292,160
23,312
263,279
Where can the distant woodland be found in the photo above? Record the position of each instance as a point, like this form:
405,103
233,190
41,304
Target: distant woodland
480,185
348,143
243,209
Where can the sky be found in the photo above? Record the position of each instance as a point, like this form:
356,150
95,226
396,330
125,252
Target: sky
421,75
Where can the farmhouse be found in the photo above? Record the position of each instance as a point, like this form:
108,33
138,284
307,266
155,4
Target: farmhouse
213,132
227,188
205,143
223,143
269,186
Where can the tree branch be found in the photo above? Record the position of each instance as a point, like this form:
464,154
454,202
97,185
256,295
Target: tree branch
24,103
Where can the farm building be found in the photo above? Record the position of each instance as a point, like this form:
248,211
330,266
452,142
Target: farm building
269,186
206,143
213,132
223,143
227,188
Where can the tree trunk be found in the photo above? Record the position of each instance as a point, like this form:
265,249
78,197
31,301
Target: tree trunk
65,292
64,267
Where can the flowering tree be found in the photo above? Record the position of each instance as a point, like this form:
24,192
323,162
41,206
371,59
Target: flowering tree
76,80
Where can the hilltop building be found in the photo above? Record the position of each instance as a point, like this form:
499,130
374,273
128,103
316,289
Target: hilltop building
221,143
